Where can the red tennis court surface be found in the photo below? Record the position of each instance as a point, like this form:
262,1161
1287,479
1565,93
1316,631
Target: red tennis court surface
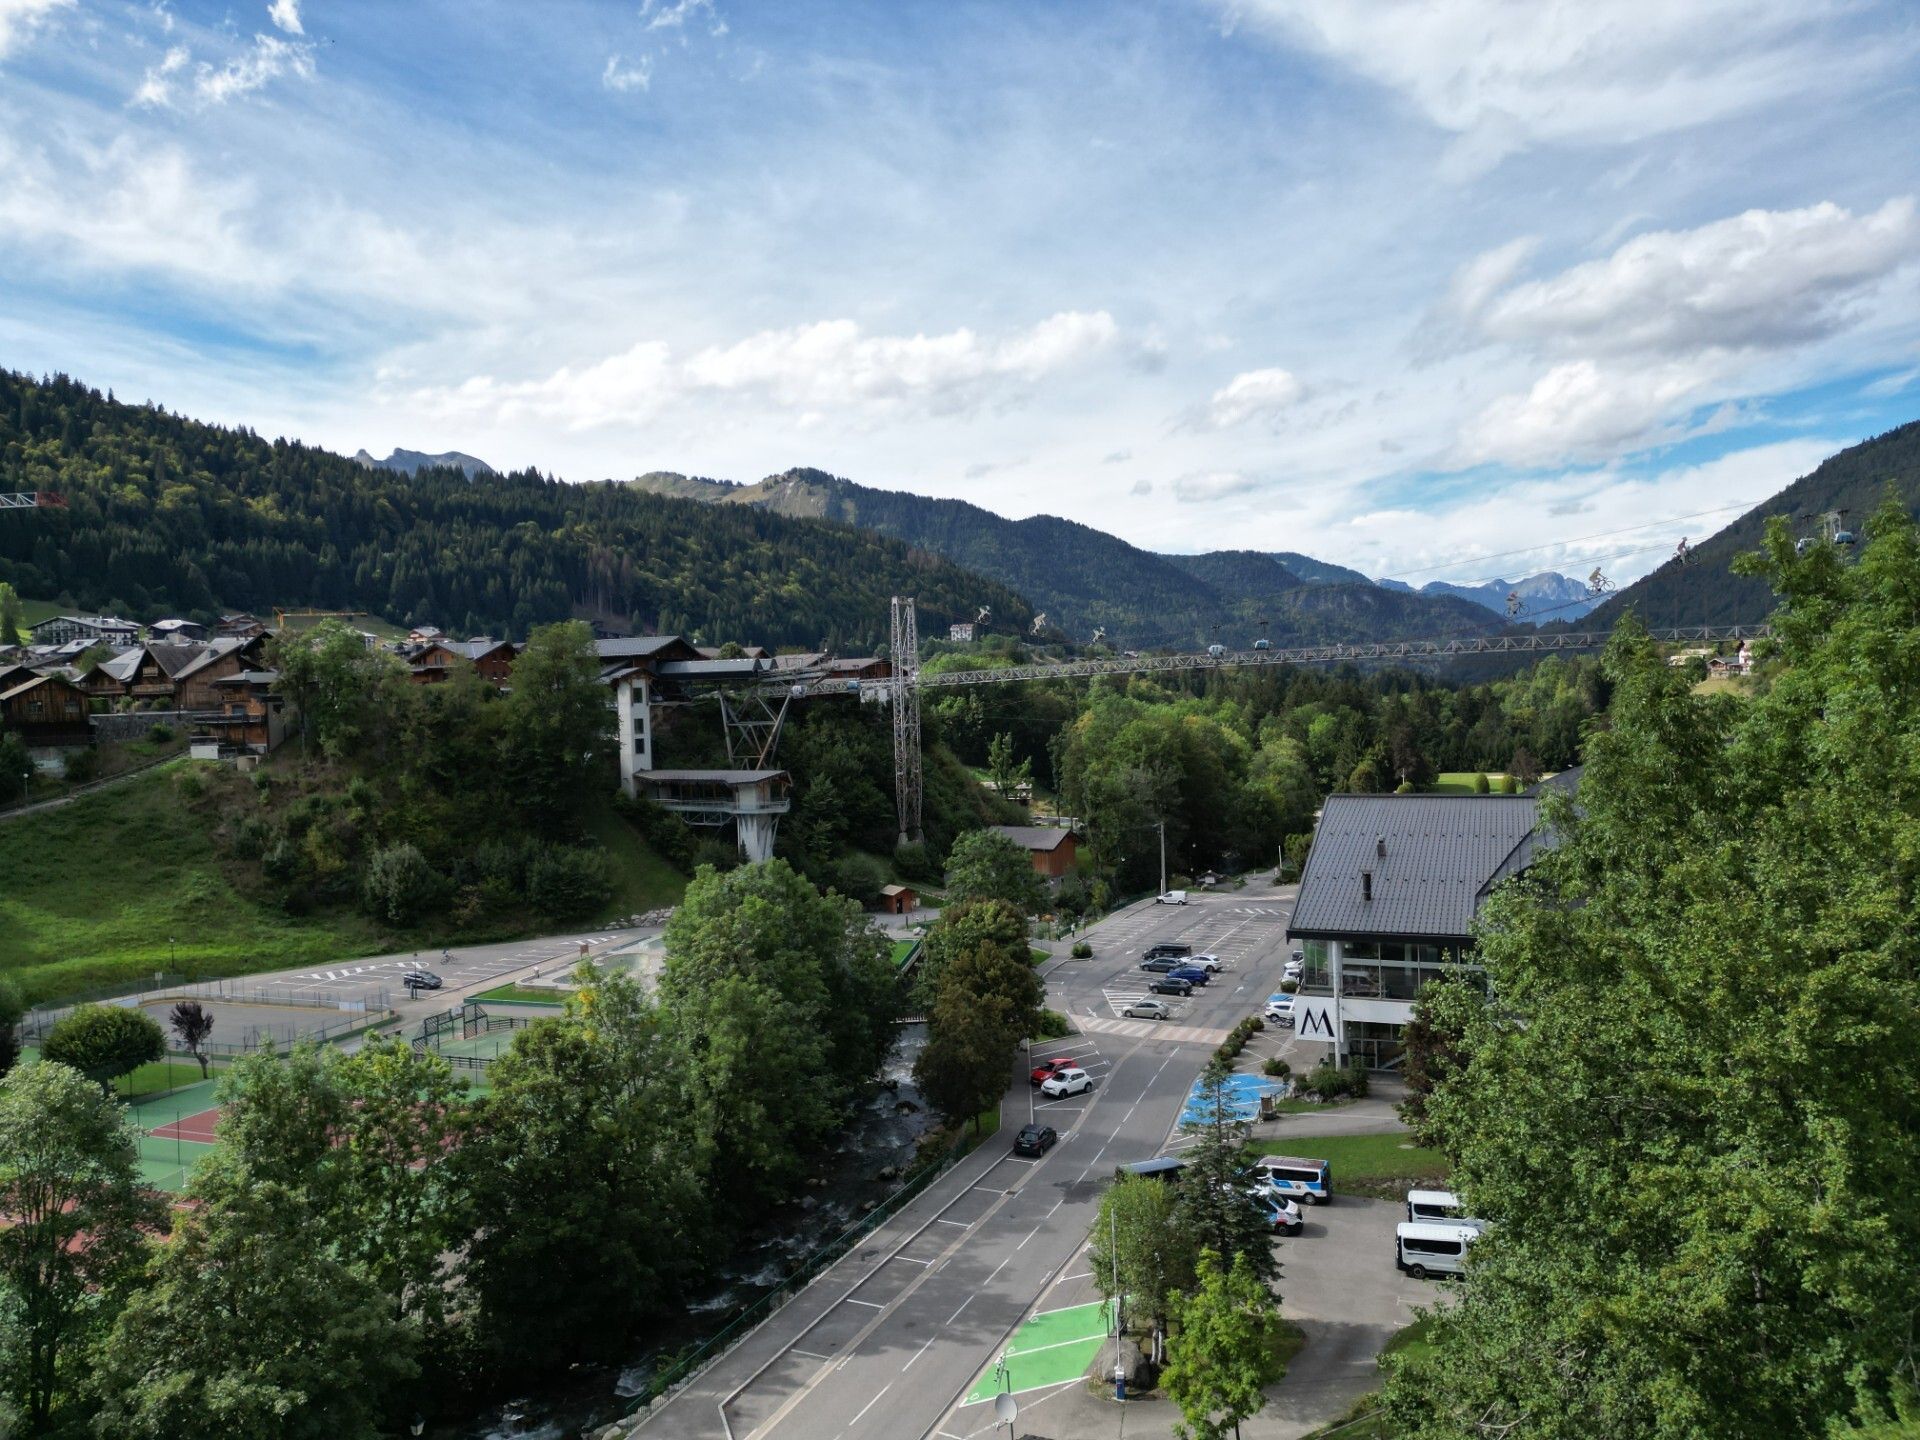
190,1127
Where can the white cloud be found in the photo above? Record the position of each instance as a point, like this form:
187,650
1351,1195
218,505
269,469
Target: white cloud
828,365
1582,410
1671,320
1253,395
156,87
270,58
1506,73
637,76
1764,279
286,15
674,15
1211,485
1891,384
1141,487
19,18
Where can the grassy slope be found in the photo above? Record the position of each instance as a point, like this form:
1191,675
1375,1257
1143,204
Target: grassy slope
95,891
1390,1157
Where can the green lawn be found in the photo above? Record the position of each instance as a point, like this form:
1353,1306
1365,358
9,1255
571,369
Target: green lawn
1375,1158
1038,957
1460,782
521,995
127,882
903,951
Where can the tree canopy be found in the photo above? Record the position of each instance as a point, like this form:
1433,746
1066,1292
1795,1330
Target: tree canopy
1689,1114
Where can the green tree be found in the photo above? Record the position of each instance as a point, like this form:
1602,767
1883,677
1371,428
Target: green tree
1140,1250
1435,1050
1214,1202
72,1246
1224,1350
12,628
585,1168
400,885
968,925
782,1000
986,865
1009,777
1689,1116
557,728
248,1329
408,1110
13,1008
964,1066
344,694
104,1042
16,765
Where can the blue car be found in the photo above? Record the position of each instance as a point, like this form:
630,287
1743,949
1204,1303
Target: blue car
1196,974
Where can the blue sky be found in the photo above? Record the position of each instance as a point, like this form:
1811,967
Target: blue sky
1399,284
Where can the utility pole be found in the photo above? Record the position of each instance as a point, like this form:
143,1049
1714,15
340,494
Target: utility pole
1163,855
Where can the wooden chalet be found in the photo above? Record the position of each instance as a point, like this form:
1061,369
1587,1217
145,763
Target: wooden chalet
46,711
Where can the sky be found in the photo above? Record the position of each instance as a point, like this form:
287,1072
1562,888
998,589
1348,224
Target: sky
1444,290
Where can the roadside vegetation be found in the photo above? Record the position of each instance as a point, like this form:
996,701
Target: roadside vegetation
369,1239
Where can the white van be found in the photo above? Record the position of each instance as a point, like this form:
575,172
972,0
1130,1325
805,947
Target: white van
1439,1206
1172,897
1423,1248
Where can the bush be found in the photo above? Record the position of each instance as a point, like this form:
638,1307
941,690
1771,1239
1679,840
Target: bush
1480,786
251,837
666,834
1053,1026
1329,1082
1277,1068
398,885
1289,987
915,863
1509,785
1082,950
82,765
161,733
105,1041
858,877
568,884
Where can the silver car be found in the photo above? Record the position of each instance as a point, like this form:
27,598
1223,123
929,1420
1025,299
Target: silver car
1148,1010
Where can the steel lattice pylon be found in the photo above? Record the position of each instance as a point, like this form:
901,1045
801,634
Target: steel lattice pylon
904,693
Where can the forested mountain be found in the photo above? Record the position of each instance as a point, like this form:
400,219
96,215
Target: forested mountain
169,515
1705,591
1319,572
1083,578
410,462
1546,596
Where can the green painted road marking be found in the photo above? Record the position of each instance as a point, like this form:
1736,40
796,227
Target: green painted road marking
1050,1349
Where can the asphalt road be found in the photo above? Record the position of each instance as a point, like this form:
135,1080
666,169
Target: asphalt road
885,1343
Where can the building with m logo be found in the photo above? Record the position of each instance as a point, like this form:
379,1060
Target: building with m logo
1387,901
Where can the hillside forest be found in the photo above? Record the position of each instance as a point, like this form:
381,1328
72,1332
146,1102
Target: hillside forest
170,516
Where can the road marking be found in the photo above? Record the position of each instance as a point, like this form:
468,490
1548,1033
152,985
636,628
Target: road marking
1031,1233
809,1355
958,1224
869,1405
870,1304
963,1305
918,1353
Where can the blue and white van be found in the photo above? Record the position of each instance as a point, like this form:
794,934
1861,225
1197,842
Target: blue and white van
1310,1181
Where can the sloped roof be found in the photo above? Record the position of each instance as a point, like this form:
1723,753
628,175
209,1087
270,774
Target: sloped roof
20,687
645,647
1441,852
1034,837
213,650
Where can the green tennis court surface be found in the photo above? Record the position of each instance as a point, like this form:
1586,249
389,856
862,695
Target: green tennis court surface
485,1046
1050,1349
167,1162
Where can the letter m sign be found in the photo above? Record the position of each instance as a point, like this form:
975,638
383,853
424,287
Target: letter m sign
1314,1020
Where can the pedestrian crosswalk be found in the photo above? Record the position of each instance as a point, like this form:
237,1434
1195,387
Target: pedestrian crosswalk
1150,1029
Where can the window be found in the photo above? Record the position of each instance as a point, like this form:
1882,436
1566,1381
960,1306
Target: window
1316,976
1414,1246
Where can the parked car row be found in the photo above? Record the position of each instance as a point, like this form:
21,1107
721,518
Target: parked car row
1434,1237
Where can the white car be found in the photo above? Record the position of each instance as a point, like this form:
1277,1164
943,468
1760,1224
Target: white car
1172,897
1279,1010
1292,970
1148,1010
1066,1082
1212,964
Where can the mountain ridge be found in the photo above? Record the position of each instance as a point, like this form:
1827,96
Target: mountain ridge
1085,579
412,462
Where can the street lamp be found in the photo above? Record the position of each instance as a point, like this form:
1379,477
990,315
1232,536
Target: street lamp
419,1425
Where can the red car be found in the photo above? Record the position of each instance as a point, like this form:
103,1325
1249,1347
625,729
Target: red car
1046,1068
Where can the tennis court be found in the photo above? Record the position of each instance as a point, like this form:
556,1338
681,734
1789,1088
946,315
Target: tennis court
176,1134
1050,1349
484,1046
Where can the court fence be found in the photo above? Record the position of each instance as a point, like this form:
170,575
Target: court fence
469,1022
682,1367
371,1006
